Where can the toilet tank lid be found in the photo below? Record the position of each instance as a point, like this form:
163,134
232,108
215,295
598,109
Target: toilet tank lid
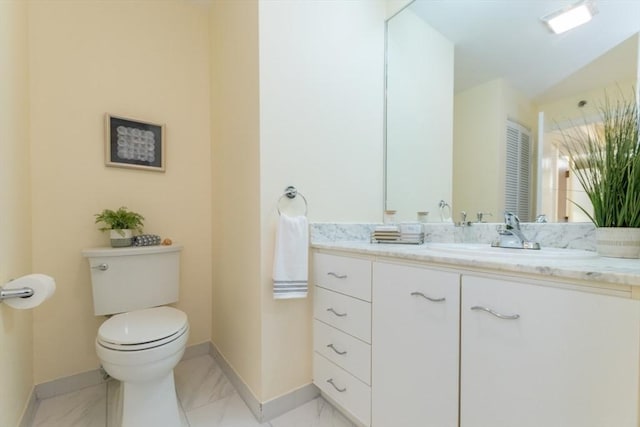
131,250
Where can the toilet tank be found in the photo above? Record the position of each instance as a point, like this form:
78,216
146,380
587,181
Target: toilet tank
127,279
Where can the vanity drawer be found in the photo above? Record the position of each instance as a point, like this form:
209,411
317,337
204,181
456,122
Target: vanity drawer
350,315
345,389
344,350
350,276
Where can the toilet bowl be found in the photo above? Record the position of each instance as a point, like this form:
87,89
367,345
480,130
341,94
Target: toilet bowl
140,348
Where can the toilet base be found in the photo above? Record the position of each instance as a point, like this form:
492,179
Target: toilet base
150,403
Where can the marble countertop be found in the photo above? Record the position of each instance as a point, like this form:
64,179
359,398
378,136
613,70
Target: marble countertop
555,264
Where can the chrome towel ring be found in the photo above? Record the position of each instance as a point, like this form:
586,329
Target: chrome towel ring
291,192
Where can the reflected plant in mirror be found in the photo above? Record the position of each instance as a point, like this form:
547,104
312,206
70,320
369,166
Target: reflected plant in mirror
476,95
605,159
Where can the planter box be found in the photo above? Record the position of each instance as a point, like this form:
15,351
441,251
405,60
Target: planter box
618,242
119,240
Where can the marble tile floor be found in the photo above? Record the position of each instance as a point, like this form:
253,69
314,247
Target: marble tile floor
206,397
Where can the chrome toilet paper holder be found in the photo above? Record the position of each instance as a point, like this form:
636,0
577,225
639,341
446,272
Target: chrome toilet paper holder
15,293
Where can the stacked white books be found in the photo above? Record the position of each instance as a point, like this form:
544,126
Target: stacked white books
412,232
409,232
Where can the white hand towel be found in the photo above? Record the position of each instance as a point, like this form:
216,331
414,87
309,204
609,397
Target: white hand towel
291,258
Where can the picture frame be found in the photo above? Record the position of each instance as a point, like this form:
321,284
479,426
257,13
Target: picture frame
136,144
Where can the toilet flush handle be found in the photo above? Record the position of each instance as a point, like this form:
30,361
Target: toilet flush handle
101,267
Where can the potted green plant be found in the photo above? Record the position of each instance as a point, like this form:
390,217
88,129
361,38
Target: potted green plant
121,224
606,161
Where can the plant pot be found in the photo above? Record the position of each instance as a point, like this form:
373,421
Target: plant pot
618,242
121,238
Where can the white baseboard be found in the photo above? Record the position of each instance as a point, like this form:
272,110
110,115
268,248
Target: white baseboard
285,403
30,410
94,377
264,411
68,384
197,350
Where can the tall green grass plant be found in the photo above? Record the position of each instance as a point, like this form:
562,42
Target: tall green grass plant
606,161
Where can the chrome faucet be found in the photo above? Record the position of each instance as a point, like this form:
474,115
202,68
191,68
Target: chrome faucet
512,222
541,219
463,220
480,216
510,235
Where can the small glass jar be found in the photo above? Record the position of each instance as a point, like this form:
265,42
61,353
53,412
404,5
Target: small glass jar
423,216
389,217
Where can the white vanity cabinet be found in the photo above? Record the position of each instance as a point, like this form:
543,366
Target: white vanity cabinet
547,357
342,332
415,326
400,344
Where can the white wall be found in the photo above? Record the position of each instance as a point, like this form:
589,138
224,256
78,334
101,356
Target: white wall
321,100
419,117
394,6
16,327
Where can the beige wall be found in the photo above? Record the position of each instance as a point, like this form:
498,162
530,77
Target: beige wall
139,59
232,146
637,64
479,145
16,331
564,112
477,135
296,101
236,326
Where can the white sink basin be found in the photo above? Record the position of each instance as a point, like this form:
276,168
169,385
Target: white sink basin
485,250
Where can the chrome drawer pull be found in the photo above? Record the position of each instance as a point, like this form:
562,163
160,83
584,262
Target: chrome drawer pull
498,315
336,313
336,350
420,294
341,390
336,275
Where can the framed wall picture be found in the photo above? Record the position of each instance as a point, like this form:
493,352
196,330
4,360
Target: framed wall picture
134,144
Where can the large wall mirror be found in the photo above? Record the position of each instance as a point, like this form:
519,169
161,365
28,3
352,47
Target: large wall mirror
475,89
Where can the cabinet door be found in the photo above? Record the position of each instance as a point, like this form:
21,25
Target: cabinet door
414,347
556,357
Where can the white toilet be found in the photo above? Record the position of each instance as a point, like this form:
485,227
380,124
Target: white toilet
142,343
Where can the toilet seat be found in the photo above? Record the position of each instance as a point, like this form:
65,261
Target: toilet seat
142,329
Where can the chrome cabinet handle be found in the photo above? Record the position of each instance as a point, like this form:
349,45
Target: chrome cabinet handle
420,294
336,275
336,313
341,390
495,313
101,267
336,350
